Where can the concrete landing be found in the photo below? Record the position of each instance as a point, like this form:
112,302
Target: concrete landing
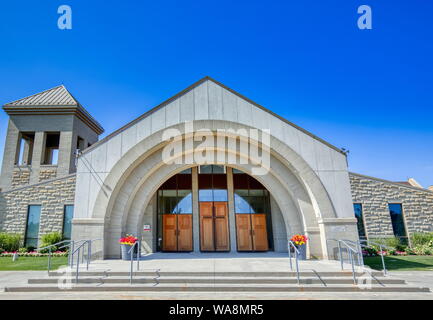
216,262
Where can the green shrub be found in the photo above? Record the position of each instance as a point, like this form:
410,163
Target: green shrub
423,249
22,250
10,241
393,244
370,251
50,239
421,238
2,250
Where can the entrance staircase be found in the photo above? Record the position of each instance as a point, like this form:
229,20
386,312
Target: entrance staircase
251,281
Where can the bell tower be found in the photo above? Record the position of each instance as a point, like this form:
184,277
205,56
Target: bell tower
45,132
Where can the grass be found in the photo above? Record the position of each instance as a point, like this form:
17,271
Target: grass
31,263
401,263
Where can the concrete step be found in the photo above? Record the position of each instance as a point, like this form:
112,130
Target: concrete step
213,280
218,288
154,273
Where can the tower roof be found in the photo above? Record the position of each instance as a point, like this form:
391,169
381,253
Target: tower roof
57,96
57,100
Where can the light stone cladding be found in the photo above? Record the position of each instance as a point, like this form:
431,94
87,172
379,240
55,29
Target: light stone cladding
20,177
52,195
46,174
375,194
118,175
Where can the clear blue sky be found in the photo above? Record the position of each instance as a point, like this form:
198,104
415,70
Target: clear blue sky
370,91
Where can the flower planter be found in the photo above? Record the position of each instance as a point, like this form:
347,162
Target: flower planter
302,252
126,255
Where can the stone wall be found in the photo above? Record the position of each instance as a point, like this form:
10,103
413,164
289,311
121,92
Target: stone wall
46,174
52,195
20,177
375,195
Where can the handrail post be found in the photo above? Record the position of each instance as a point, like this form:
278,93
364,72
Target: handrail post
49,260
138,255
132,265
88,254
290,255
72,254
78,266
296,253
340,255
361,256
383,260
353,267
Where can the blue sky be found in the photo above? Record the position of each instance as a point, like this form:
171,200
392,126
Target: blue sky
370,91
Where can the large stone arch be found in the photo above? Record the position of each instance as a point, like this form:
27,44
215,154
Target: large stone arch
141,170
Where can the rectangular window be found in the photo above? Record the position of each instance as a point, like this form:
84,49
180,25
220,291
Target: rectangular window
211,168
358,214
25,148
397,219
68,214
80,144
32,230
51,154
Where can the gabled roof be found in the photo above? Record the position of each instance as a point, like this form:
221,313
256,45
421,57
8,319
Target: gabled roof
57,100
57,96
398,184
191,87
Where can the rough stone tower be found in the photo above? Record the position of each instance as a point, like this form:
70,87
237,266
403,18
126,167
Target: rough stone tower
45,131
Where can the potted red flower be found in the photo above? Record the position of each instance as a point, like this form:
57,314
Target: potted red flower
126,243
300,242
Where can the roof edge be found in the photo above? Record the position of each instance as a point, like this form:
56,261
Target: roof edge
11,104
195,84
76,110
397,184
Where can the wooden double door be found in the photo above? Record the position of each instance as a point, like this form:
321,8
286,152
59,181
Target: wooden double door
177,232
251,232
214,226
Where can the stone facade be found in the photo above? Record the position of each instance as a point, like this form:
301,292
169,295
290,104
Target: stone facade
375,195
47,174
52,195
20,177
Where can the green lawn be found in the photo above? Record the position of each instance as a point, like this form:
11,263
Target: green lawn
31,263
401,263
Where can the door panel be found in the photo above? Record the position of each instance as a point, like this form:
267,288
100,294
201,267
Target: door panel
260,234
169,232
221,226
243,232
184,237
206,226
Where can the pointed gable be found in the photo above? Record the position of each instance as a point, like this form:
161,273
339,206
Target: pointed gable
57,96
57,100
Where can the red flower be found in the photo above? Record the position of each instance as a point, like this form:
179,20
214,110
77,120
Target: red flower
129,239
299,239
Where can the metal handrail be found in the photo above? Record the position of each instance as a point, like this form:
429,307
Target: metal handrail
88,258
351,251
131,252
78,249
381,246
50,253
297,253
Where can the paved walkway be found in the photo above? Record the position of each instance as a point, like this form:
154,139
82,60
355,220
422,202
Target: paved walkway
215,262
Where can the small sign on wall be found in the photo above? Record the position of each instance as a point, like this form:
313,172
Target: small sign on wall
147,227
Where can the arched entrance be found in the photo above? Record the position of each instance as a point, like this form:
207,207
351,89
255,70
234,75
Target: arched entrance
123,200
234,213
